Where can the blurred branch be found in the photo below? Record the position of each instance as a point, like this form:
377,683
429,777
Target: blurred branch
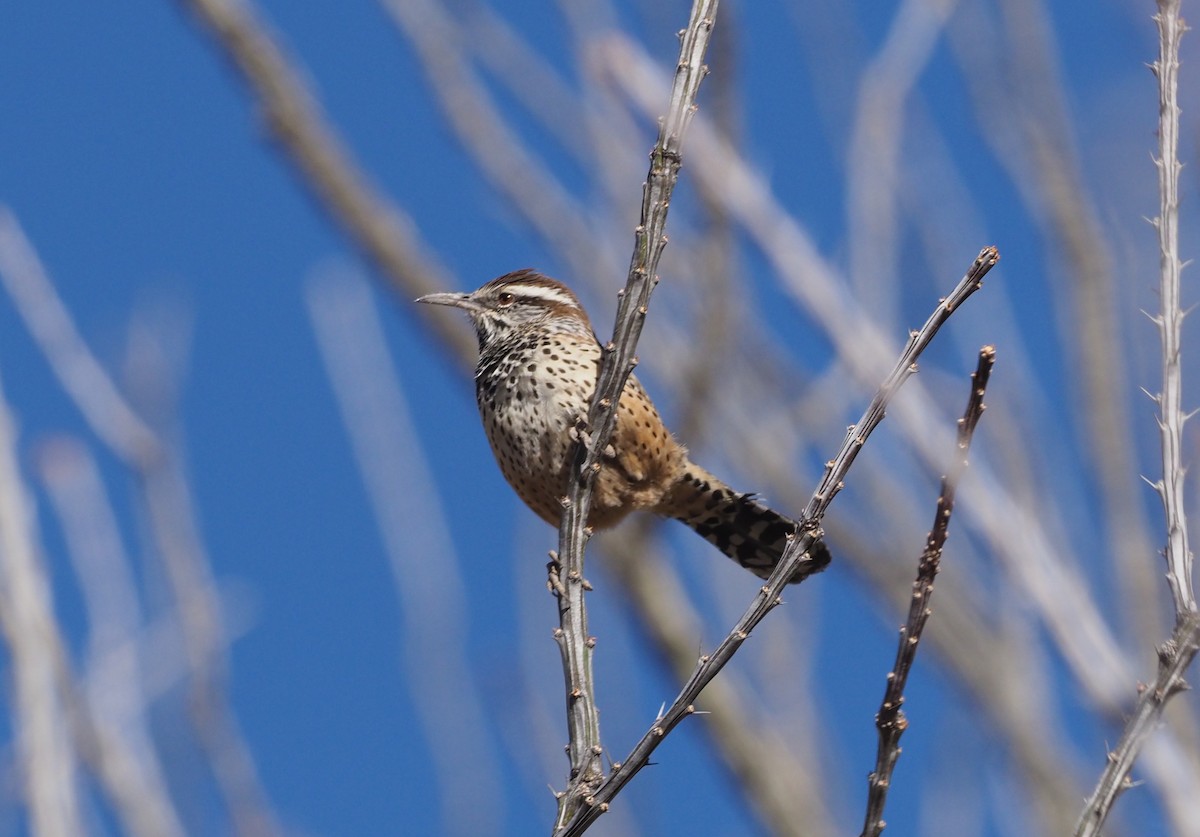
1019,97
106,736
31,633
525,72
795,563
110,712
105,409
714,322
168,503
615,367
891,720
1061,597
293,115
873,176
433,593
491,142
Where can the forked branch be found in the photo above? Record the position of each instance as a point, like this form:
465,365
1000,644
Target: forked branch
795,561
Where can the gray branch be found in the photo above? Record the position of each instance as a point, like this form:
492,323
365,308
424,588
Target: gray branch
795,561
1174,657
1170,323
619,359
1177,653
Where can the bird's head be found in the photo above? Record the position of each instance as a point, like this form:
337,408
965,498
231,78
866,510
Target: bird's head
515,303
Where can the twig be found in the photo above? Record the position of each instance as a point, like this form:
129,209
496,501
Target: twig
891,721
1174,657
1177,653
617,364
1170,322
786,788
795,563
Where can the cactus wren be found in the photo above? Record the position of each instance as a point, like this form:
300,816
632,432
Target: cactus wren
538,363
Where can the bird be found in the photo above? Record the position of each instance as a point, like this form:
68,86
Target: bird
539,359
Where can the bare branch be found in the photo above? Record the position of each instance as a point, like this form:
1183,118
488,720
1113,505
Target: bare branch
1175,655
617,364
1171,419
787,788
796,562
891,721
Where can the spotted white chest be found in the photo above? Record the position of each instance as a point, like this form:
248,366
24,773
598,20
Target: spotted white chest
531,391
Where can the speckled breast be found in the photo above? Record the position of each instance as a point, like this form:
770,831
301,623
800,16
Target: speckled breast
530,391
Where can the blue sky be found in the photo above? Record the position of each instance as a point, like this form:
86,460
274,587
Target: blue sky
141,170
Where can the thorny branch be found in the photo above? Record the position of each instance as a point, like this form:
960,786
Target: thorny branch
795,562
1177,653
619,359
1170,323
891,721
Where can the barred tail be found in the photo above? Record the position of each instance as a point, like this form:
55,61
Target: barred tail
737,524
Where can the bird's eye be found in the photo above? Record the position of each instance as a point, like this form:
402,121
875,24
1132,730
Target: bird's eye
506,299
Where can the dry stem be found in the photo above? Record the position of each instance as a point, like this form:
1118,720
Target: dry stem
618,362
795,561
891,721
1170,323
1175,655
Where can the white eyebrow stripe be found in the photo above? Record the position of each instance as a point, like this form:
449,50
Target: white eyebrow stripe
543,292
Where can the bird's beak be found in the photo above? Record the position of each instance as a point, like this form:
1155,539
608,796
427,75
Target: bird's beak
455,300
